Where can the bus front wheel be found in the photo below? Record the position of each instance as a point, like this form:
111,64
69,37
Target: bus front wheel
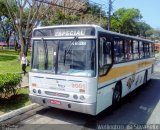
145,78
116,95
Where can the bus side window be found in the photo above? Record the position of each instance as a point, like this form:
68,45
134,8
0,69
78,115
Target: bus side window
150,50
146,49
153,49
118,51
105,58
135,49
141,49
128,50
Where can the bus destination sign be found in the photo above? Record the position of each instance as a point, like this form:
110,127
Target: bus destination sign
64,32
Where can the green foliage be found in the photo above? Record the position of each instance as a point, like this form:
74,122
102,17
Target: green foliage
144,29
128,21
6,26
156,34
149,32
90,14
95,9
3,9
60,18
8,84
125,21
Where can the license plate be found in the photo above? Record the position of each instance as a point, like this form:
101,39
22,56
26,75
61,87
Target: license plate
55,102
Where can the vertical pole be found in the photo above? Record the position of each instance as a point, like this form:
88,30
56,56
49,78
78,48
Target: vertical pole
100,13
64,11
109,15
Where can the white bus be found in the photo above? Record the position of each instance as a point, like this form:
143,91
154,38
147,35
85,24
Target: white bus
85,68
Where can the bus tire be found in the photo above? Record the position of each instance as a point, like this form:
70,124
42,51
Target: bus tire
145,77
117,94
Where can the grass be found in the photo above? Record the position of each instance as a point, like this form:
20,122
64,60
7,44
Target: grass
10,62
15,101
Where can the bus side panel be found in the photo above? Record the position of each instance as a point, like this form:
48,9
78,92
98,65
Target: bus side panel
130,74
105,93
149,74
104,97
125,89
134,81
138,80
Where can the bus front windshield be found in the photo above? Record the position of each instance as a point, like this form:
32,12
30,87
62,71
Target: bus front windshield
66,57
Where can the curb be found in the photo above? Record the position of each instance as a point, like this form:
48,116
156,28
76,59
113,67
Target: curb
31,110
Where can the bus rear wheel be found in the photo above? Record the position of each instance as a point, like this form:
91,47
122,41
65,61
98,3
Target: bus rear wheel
145,78
116,95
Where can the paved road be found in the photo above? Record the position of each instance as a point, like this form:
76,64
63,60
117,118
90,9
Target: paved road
139,107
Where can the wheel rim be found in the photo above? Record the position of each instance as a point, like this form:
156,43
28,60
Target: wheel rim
117,94
145,78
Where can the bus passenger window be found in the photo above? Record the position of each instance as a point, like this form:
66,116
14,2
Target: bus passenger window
135,49
105,58
146,49
118,51
141,49
128,50
150,50
153,50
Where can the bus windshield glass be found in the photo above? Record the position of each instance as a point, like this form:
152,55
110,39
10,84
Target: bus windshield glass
64,57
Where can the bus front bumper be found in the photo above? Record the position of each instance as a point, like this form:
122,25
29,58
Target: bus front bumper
66,105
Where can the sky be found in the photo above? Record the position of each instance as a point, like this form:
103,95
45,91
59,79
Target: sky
150,9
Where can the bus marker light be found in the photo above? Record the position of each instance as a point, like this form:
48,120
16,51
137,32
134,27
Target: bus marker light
34,90
55,102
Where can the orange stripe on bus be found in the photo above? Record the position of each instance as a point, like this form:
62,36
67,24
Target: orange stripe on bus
124,70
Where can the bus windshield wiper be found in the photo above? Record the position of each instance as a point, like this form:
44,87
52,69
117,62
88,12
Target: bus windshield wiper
68,48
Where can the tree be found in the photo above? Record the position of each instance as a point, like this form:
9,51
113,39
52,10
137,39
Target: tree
94,15
75,12
156,34
6,26
3,9
27,16
64,12
125,21
143,29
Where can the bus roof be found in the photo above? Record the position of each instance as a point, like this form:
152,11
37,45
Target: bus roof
97,28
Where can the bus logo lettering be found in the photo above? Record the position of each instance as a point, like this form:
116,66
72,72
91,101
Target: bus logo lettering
78,85
61,86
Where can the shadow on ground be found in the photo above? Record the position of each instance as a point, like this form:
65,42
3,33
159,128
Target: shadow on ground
7,58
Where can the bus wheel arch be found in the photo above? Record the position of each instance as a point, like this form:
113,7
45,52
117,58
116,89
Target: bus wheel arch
117,93
145,77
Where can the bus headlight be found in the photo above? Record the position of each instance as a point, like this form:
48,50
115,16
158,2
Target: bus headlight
82,97
39,91
34,90
75,96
